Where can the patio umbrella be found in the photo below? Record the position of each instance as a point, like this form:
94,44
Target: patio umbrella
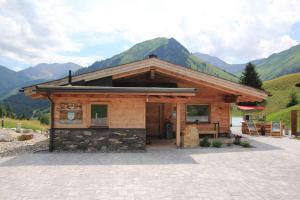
251,107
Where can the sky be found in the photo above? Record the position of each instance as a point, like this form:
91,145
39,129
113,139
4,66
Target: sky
85,31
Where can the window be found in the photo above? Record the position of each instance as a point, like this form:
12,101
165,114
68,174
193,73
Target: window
197,113
99,115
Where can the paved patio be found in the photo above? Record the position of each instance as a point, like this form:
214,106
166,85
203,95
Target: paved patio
269,171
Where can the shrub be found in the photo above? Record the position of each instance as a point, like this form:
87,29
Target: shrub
205,142
25,137
44,119
216,143
245,144
237,139
293,99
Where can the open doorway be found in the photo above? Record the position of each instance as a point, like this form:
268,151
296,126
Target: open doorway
160,125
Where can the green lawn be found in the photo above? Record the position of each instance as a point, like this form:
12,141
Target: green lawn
27,124
280,89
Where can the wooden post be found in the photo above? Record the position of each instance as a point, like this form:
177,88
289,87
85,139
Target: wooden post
294,122
178,124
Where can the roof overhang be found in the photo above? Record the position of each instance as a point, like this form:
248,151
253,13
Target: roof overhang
148,91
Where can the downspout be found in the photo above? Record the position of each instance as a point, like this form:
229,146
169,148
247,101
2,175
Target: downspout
51,138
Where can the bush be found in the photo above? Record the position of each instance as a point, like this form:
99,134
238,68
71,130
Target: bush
44,119
293,99
25,137
205,142
216,143
237,139
245,144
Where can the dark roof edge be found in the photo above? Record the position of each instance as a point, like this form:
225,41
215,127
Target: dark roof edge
113,89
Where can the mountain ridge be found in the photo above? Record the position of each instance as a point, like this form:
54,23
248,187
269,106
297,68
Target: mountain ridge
166,49
11,81
273,66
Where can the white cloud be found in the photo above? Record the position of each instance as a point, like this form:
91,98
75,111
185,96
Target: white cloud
235,30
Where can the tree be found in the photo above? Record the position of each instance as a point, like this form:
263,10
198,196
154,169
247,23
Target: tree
1,111
23,116
9,112
250,77
293,99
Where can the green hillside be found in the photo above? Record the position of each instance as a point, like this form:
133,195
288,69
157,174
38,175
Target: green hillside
166,49
280,89
278,64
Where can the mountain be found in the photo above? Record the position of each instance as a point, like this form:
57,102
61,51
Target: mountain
279,64
47,71
11,82
8,80
276,65
166,49
215,61
231,68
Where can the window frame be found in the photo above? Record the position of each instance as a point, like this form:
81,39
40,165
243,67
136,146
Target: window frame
90,115
199,122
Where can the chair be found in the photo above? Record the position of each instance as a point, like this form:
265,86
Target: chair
251,127
276,128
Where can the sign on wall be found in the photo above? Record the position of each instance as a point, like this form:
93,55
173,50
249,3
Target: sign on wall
70,113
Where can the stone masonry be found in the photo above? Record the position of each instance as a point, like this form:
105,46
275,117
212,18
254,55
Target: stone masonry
100,139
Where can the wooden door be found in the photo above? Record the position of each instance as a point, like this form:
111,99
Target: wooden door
154,119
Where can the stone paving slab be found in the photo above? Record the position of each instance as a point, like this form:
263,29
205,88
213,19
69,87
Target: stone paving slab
269,171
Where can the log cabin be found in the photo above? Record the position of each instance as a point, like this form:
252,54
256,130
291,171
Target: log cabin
119,108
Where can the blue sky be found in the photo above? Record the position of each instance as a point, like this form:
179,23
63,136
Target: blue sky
86,31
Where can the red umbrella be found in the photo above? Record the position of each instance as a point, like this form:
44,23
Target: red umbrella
251,107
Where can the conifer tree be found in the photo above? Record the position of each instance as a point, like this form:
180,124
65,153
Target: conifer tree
250,77
293,99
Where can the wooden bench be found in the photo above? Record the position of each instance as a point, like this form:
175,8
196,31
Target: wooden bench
214,132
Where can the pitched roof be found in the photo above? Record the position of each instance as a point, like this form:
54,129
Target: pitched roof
164,67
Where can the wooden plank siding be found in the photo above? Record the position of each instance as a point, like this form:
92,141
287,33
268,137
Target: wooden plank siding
130,111
122,113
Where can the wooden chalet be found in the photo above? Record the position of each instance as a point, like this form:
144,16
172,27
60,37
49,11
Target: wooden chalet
119,108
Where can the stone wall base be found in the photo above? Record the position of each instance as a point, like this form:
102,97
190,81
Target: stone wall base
99,139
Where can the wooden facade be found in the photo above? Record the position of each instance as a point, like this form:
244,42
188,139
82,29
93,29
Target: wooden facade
143,95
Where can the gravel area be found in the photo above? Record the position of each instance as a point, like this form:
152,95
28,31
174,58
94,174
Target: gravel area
10,146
